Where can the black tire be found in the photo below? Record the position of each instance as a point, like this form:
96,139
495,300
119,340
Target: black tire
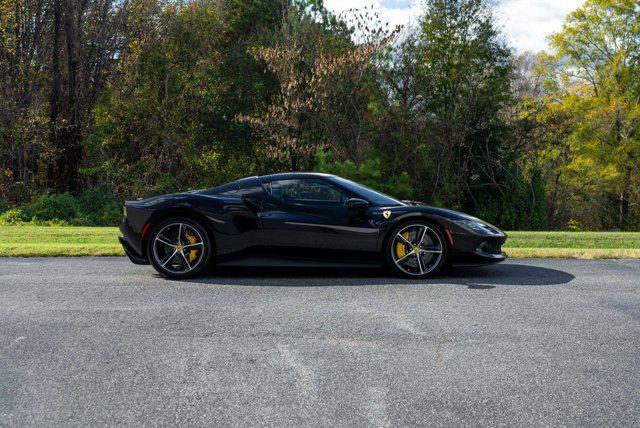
171,230
433,240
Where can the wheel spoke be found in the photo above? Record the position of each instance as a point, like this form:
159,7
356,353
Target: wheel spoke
424,231
159,239
169,258
185,260
406,256
420,264
403,239
431,251
197,244
180,234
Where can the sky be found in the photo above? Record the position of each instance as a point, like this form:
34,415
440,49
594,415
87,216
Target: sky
525,23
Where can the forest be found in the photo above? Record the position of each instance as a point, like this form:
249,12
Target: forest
106,100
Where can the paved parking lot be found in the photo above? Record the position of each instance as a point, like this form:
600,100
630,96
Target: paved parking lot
529,342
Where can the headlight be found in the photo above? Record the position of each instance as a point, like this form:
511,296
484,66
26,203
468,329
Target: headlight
479,228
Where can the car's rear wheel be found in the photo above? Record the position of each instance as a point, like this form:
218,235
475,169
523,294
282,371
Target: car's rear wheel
416,249
179,248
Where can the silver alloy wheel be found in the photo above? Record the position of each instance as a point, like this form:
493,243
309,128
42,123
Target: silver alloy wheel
422,247
178,248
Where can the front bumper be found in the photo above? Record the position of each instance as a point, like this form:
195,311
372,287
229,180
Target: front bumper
479,250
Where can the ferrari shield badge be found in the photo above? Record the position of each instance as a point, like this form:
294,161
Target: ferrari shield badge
386,214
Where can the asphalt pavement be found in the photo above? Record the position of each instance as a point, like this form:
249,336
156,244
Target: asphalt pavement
100,341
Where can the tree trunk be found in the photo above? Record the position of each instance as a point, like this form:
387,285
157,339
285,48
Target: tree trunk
623,209
71,153
54,100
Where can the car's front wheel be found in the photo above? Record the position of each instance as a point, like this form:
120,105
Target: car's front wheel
416,249
179,248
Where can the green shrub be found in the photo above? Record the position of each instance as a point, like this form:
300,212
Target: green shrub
13,217
93,199
371,172
96,207
63,207
99,207
573,225
166,184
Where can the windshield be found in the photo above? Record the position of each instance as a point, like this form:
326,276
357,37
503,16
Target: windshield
374,196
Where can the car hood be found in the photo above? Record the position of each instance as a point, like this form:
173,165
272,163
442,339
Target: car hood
448,214
412,206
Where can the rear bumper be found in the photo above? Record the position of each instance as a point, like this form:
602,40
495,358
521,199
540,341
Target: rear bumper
131,234
132,243
132,254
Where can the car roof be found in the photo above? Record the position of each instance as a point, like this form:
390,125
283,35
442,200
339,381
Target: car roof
252,181
292,175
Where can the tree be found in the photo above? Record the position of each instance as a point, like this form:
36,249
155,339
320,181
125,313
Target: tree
322,74
167,119
23,95
57,54
450,110
593,85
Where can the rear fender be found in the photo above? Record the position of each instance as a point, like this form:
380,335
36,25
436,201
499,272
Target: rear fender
158,217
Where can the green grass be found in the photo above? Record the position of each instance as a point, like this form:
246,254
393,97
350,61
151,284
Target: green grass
576,245
31,241
579,240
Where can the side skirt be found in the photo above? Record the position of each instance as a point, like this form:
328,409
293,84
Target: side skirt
273,261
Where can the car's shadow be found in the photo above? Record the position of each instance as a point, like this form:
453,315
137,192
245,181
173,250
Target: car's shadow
486,277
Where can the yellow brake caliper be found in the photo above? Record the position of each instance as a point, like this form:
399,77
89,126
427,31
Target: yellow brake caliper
192,240
401,249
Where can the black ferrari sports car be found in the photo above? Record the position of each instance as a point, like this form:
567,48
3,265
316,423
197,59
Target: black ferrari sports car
301,219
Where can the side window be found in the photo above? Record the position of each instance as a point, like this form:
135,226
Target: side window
307,191
244,191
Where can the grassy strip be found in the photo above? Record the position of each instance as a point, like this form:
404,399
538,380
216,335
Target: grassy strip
60,250
575,240
573,253
58,235
40,241
33,241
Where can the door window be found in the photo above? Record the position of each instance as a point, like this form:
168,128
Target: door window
307,191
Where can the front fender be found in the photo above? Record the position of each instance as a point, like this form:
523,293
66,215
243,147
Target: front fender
447,227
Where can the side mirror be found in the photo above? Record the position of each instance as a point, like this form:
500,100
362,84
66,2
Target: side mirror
356,203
